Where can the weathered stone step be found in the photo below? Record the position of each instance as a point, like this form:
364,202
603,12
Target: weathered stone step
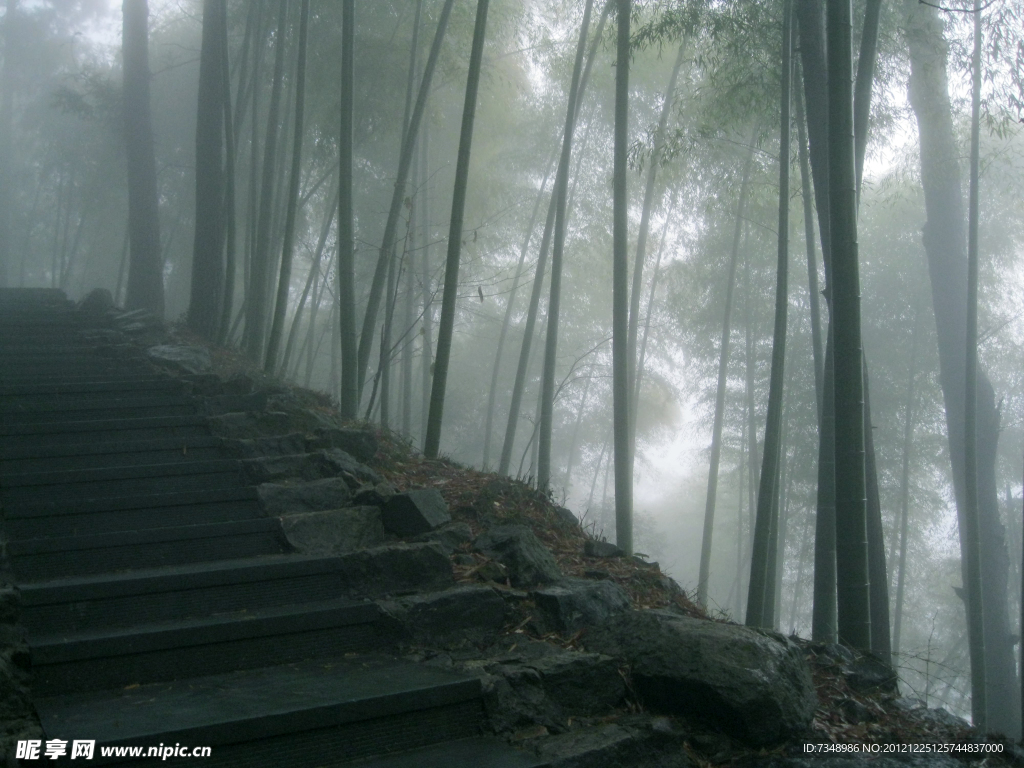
60,458
78,517
82,409
324,712
142,383
103,482
67,605
242,640
103,430
43,559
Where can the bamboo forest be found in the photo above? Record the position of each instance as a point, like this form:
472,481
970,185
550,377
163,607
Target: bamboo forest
737,282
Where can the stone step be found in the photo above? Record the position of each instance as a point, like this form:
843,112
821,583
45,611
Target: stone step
80,517
67,605
325,712
104,482
114,658
102,430
45,559
144,383
15,459
82,409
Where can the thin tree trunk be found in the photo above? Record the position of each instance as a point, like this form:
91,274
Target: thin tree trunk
620,288
813,292
575,434
597,473
350,385
971,533
313,271
451,272
426,331
852,579
904,520
641,239
230,218
6,157
642,355
761,590
256,306
507,321
879,602
385,356
208,249
531,315
753,462
560,192
723,364
404,164
285,280
145,267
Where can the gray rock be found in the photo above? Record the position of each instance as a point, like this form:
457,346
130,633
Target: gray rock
98,301
868,673
459,613
188,359
516,547
217,404
601,746
393,569
374,495
580,683
450,537
359,443
341,463
246,425
334,531
252,448
274,469
601,549
279,500
415,512
566,518
576,603
754,685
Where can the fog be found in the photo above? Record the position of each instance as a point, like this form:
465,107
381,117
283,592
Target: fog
712,212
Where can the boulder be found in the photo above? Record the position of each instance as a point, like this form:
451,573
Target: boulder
374,495
253,448
607,745
186,358
458,613
450,536
516,547
580,683
340,463
755,685
566,518
575,603
541,684
334,531
415,512
252,425
98,301
274,469
358,443
394,568
601,549
279,500
868,673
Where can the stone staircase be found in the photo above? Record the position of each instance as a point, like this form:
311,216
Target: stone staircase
162,607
